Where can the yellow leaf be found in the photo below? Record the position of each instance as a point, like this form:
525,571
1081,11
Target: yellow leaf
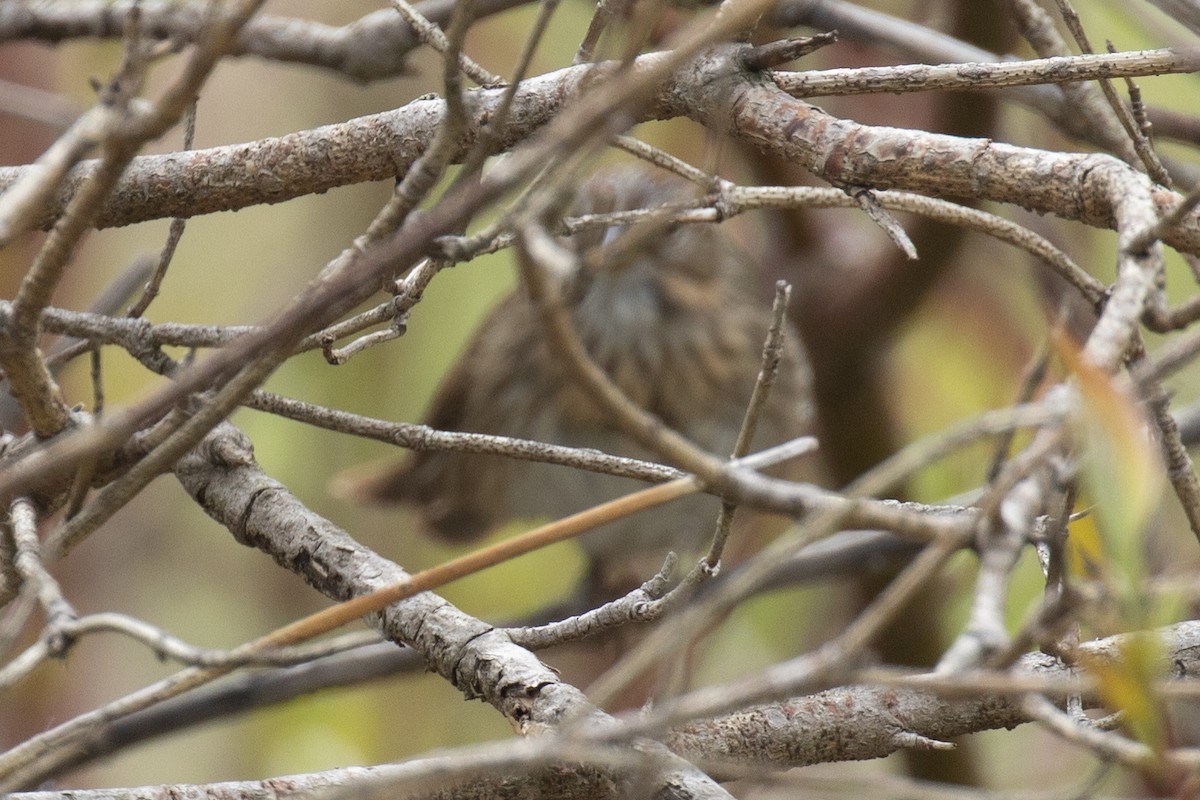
1126,685
1122,471
1086,554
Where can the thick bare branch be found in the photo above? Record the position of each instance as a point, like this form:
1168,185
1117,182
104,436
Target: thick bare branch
371,48
380,146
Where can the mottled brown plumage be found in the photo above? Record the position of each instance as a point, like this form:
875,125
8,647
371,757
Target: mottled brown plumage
677,326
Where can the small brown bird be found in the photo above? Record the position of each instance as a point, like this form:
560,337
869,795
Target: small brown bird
676,324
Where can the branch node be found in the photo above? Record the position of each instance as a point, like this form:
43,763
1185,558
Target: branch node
774,54
231,448
914,741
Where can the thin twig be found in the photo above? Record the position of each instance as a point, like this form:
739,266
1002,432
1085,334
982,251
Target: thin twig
28,561
602,17
999,544
1031,380
900,466
1173,356
340,355
644,604
115,295
769,369
661,158
87,467
164,645
1141,144
29,379
174,233
1088,107
1161,318
1178,463
489,136
420,178
1136,105
432,35
865,199
778,53
413,187
324,339
944,535
422,437
1113,746
981,75
801,674
1169,220
118,493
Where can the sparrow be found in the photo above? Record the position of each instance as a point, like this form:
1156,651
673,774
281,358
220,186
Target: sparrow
674,320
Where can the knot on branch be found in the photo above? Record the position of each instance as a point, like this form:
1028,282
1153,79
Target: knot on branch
778,53
227,447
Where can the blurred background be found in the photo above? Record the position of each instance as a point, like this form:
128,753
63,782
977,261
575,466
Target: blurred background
962,328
